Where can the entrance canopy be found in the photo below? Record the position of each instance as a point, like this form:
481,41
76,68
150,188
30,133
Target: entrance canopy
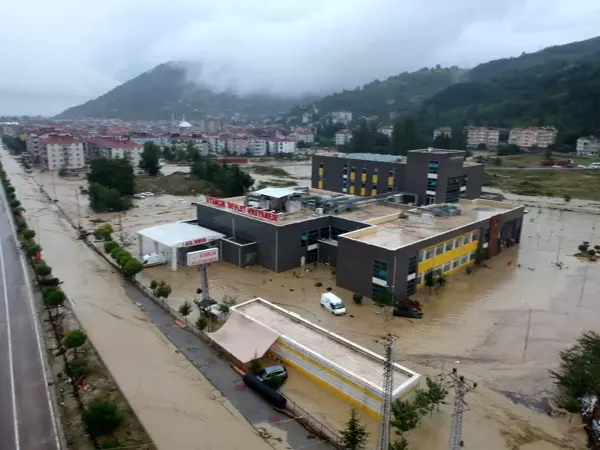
180,234
244,338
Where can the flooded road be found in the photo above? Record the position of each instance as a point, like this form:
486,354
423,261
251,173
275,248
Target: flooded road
178,407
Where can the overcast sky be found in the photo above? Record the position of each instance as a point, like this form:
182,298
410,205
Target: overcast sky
59,53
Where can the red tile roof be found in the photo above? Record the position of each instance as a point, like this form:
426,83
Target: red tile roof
113,143
59,140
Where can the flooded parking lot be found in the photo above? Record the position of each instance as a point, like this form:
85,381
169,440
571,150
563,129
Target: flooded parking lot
478,323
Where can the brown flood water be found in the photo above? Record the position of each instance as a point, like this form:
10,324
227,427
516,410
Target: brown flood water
178,407
478,323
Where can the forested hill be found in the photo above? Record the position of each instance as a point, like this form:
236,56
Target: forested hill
397,94
562,94
573,52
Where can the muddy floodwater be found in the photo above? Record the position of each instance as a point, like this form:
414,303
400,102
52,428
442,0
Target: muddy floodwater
176,404
478,323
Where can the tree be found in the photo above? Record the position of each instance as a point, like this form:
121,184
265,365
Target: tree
442,141
28,234
201,323
74,339
436,392
583,248
357,298
192,153
150,158
548,153
102,417
567,198
55,299
384,299
104,199
422,402
162,290
185,309
571,404
402,444
169,153
579,369
112,174
226,304
132,267
104,232
429,279
405,136
354,436
406,415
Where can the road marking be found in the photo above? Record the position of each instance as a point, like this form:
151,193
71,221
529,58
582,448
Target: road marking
10,355
36,326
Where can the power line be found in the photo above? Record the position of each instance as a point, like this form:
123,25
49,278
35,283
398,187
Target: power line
461,388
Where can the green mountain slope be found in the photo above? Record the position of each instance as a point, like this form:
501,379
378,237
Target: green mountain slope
559,93
165,90
397,94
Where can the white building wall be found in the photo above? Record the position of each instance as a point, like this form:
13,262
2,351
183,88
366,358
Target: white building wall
67,156
588,146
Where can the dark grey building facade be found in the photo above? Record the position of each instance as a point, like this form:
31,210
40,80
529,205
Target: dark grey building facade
427,176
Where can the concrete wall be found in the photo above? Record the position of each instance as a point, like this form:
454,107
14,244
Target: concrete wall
328,253
289,243
474,180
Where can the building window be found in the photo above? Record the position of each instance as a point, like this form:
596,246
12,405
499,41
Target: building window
475,235
464,259
472,256
380,269
412,265
313,237
411,287
430,199
456,263
439,250
438,270
422,256
449,245
429,253
447,267
420,278
304,239
433,167
453,189
325,233
457,242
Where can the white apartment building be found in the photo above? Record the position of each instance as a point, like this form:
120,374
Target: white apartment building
306,135
201,143
528,137
490,137
589,145
61,152
142,138
237,145
281,145
341,117
257,146
387,131
342,137
441,131
306,117
113,149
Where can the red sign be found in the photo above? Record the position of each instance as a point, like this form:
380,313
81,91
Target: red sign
253,212
194,242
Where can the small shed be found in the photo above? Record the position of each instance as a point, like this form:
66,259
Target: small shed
176,240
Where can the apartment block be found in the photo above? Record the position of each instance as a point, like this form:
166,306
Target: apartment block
588,146
387,131
257,146
279,145
442,131
342,137
529,137
61,153
113,149
490,137
237,145
306,135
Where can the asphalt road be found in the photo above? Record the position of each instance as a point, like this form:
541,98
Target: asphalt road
26,412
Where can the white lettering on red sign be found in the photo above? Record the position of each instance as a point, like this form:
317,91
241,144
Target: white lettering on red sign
194,242
203,257
253,212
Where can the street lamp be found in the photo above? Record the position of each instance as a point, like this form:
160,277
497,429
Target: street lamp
528,327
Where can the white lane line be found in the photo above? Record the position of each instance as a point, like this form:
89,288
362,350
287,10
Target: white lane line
10,354
36,326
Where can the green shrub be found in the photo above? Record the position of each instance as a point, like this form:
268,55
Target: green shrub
102,417
28,234
43,270
78,367
201,323
32,248
10,190
123,258
469,270
132,267
104,232
109,246
21,224
357,298
15,204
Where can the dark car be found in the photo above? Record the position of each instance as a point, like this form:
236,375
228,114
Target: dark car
272,372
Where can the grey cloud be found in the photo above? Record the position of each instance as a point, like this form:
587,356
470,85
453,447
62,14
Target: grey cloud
65,52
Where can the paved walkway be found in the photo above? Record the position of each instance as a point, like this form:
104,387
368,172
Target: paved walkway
225,379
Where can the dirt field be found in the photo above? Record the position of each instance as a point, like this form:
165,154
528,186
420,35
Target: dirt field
478,324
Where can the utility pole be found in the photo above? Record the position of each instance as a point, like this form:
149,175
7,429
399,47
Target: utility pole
388,341
461,389
78,211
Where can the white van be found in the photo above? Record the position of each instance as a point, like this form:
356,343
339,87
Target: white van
333,304
154,259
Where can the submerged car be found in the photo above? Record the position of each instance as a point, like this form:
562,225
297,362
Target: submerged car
270,372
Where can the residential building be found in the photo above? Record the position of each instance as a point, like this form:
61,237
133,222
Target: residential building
589,146
476,136
142,138
373,243
424,176
210,125
61,153
237,144
306,117
530,137
199,141
257,146
442,131
113,149
306,135
344,117
279,145
387,131
342,137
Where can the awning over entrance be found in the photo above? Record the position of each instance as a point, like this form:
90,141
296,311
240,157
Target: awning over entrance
243,338
180,234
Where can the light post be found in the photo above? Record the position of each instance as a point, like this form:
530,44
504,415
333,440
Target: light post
528,327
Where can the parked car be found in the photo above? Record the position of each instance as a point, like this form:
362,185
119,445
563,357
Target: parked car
269,372
153,259
333,304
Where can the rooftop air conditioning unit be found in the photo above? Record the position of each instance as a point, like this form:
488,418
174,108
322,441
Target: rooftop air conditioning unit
319,211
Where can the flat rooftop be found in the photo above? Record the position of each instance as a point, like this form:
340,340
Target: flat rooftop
412,226
351,357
